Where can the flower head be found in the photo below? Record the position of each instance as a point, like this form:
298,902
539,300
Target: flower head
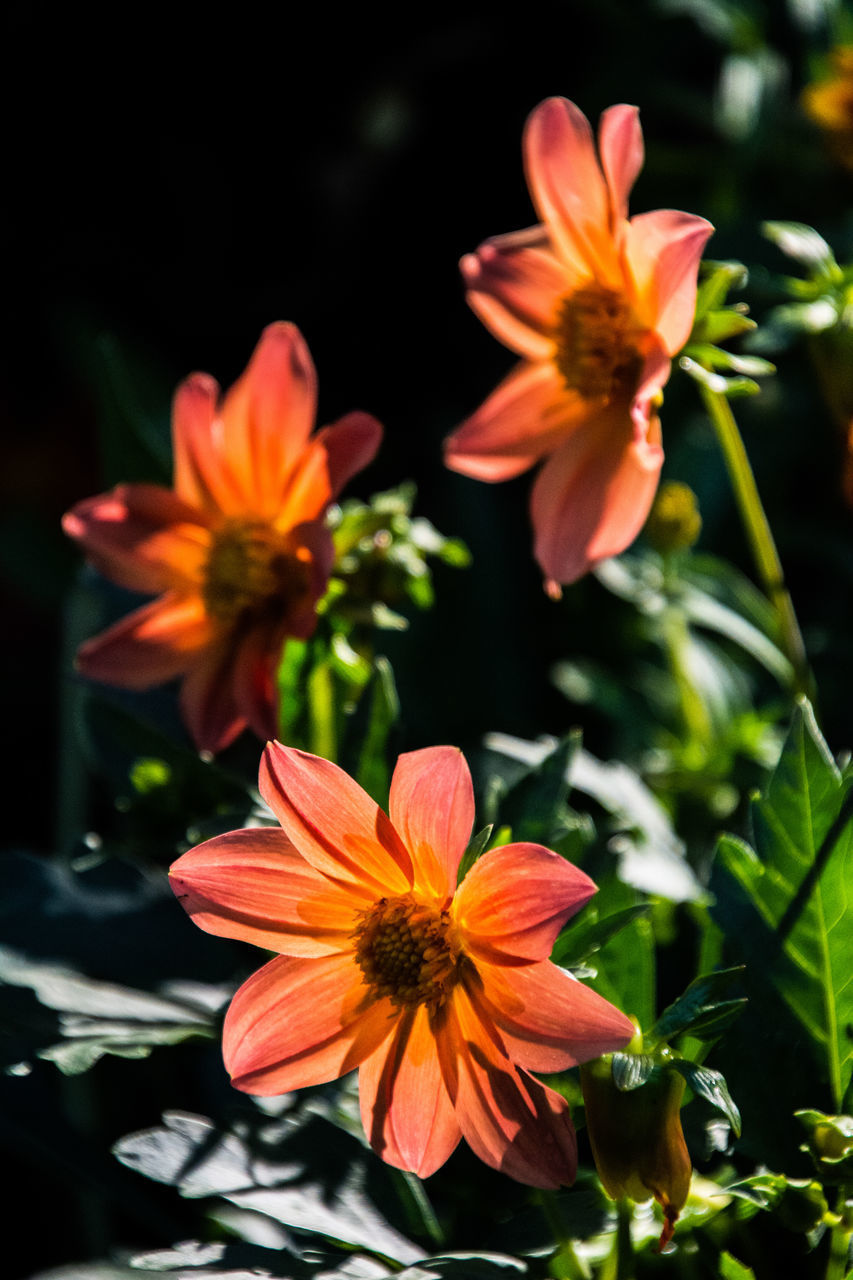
443,997
596,304
829,102
237,552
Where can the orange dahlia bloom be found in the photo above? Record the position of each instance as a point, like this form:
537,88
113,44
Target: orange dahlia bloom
596,304
442,996
238,551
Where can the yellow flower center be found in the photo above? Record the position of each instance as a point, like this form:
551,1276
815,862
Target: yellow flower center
253,574
405,950
595,343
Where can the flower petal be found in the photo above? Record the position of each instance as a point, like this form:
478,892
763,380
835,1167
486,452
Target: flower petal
663,250
253,666
525,417
515,285
591,498
432,808
207,699
151,645
351,444
253,885
300,1021
514,901
620,142
268,415
141,536
333,823
508,1118
547,1019
202,476
405,1108
568,188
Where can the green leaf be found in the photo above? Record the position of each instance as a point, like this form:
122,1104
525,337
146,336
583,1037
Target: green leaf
711,1086
374,720
533,807
785,905
804,245
699,1009
476,848
579,941
731,1269
631,1070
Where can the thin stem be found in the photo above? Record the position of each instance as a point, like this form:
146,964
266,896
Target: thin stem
568,1264
839,1241
758,533
619,1264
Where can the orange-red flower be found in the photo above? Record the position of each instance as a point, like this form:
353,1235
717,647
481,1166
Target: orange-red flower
237,552
596,304
443,997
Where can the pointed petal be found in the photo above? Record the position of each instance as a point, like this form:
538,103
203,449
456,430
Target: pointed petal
432,808
509,1119
514,901
150,646
333,823
526,417
253,885
593,495
405,1108
516,289
253,669
620,141
202,476
300,1021
351,444
547,1019
141,536
663,250
568,188
268,415
207,699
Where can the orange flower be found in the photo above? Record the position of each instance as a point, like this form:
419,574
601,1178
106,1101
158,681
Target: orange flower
443,997
238,551
596,304
829,102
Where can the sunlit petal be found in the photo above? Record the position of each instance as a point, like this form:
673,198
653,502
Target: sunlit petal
515,288
151,645
432,808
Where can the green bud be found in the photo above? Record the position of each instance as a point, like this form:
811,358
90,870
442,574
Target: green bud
674,521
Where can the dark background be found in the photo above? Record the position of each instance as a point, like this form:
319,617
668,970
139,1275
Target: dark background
174,183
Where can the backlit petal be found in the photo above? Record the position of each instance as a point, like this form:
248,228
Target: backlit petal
592,497
620,141
568,188
208,698
268,415
142,536
525,417
516,288
432,808
351,444
547,1019
405,1107
253,667
508,1118
663,250
514,901
151,645
333,823
301,1021
202,475
253,885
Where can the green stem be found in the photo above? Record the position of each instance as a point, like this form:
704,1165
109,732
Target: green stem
839,1241
758,533
565,1262
695,717
619,1264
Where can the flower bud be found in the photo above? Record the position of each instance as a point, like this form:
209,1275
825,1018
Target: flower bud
674,521
636,1137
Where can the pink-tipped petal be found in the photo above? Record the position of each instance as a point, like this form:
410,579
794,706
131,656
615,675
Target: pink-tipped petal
547,1019
432,808
663,250
351,444
268,415
148,647
525,417
620,141
514,901
142,537
509,1119
568,187
254,886
333,823
405,1108
592,497
516,289
202,475
300,1021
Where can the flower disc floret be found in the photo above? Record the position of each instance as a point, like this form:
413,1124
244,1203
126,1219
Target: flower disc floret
594,351
406,951
254,574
